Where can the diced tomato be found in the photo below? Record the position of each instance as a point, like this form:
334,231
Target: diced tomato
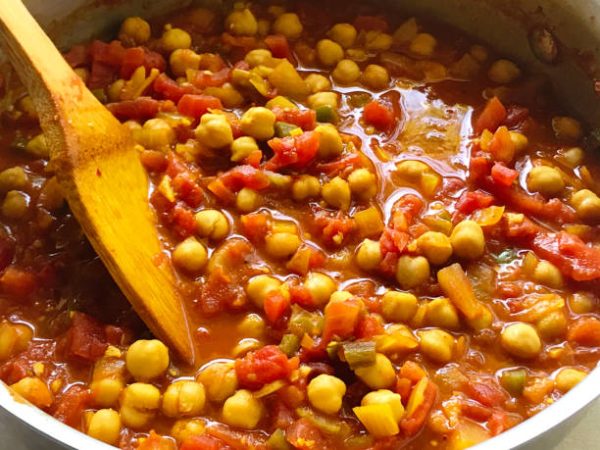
410,205
215,295
18,282
156,442
347,162
503,175
187,189
473,200
341,319
525,230
197,105
101,75
203,442
369,326
255,226
111,54
303,118
379,115
204,79
502,146
182,221
294,152
570,254
278,44
222,192
305,259
475,411
263,366
141,57
371,23
303,435
154,160
300,295
77,56
492,116
254,159
487,394
501,421
388,264
142,108
412,423
169,89
479,167
412,371
334,228
70,405
276,304
585,331
392,241
245,177
114,334
86,340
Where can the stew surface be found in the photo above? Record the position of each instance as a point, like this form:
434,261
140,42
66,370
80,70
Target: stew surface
385,235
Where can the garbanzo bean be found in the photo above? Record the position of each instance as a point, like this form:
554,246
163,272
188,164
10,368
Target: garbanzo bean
325,393
183,399
344,34
135,30
552,325
252,326
442,313
368,255
567,128
305,186
545,180
376,77
587,205
248,200
182,60
521,340
346,72
320,286
329,52
337,193
289,25
385,397
282,245
242,410
260,286
212,224
504,71
330,141
241,23
437,345
219,380
259,123
398,306
324,98
548,274
175,38
412,271
468,240
568,378
184,429
34,391
317,83
435,246
147,359
190,256
379,375
139,405
214,131
14,178
14,338
105,425
363,183
423,44
15,205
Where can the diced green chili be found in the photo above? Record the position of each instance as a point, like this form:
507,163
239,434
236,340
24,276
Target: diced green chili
359,353
283,129
325,113
277,441
290,343
514,381
332,349
304,322
327,425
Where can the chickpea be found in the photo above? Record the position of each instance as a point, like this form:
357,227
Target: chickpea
340,296
317,83
423,44
329,52
376,77
504,71
398,306
33,390
385,397
479,52
468,240
156,133
252,326
190,256
587,205
248,200
242,410
368,255
282,244
379,375
105,425
184,429
14,338
582,303
435,246
552,325
320,286
548,274
325,393
337,193
259,287
412,271
323,99
344,34
182,60
521,340
242,147
147,359
106,391
214,131
264,26
175,38
135,30
519,140
330,141
305,186
346,72
219,380
14,178
573,156
183,399
113,92
241,23
259,57
258,122
363,183
568,378
15,205
545,180
139,404
442,313
212,224
288,24
377,41
567,128
437,345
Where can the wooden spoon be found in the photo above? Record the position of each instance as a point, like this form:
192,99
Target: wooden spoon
101,176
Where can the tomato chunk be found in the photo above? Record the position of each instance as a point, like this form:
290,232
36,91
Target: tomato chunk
294,152
263,366
379,115
585,331
503,175
492,116
197,105
86,339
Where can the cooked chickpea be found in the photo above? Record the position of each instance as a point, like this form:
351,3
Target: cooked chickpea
567,128
14,338
282,244
212,224
344,34
252,326
15,205
552,325
548,274
379,375
289,25
545,180
398,306
259,287
521,340
258,122
190,256
377,41
519,140
241,23
34,391
573,156
437,345
182,60
587,205
330,141
242,147
317,83
385,397
259,57
305,186
135,30
412,271
568,378
325,98
340,296
264,26
242,410
106,391
376,77
183,399
248,200
435,246
337,193
468,240
320,286
214,131
582,303
139,404
156,133
442,313
14,178
368,255
503,71
184,429
329,52
423,44
346,72
175,38
219,380
105,425
325,393
363,183
147,359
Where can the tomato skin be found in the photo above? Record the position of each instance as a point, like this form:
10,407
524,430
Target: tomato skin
86,340
487,394
278,44
197,105
255,226
305,119
204,79
380,116
473,200
492,116
393,241
503,175
245,176
368,327
295,152
142,108
263,366
71,404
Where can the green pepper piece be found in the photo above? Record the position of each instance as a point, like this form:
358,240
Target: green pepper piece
283,129
325,113
514,381
304,322
290,343
359,353
277,441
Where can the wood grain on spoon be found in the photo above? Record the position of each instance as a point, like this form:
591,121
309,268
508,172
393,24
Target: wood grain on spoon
101,177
